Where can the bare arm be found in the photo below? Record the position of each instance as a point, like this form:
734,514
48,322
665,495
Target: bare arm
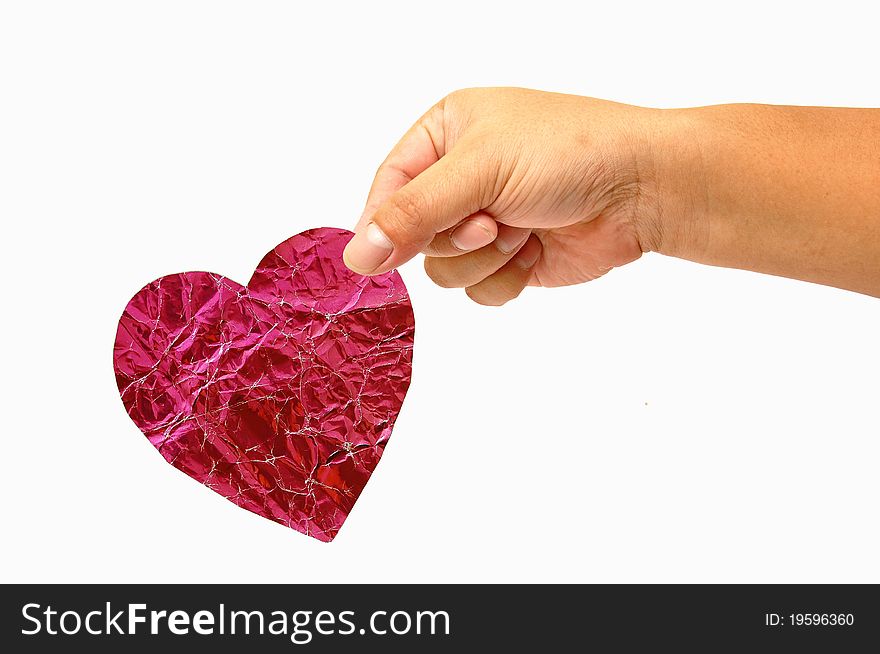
791,191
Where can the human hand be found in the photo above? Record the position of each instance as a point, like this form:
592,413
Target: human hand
502,188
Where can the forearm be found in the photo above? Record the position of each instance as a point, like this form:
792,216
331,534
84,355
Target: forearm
791,191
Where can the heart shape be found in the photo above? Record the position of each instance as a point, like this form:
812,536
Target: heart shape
279,395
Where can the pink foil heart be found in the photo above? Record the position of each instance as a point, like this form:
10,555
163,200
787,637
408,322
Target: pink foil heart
279,395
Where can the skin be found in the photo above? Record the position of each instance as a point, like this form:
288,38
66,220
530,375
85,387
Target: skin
504,188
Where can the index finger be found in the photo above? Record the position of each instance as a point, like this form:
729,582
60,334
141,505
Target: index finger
421,147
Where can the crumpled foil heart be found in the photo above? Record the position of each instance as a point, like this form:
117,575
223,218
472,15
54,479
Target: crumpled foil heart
279,395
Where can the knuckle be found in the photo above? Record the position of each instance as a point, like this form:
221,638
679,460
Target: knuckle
381,171
464,93
452,96
406,211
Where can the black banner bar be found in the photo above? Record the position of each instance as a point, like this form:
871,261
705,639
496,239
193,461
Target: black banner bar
436,618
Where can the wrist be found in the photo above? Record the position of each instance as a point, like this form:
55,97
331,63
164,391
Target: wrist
671,208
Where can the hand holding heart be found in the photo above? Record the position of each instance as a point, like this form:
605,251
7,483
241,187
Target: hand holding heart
280,395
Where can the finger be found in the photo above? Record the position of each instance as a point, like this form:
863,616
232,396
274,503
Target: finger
472,233
442,196
419,148
449,243
471,268
509,281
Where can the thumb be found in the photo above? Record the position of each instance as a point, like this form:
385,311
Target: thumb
440,197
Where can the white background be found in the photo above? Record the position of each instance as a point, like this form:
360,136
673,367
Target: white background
670,422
